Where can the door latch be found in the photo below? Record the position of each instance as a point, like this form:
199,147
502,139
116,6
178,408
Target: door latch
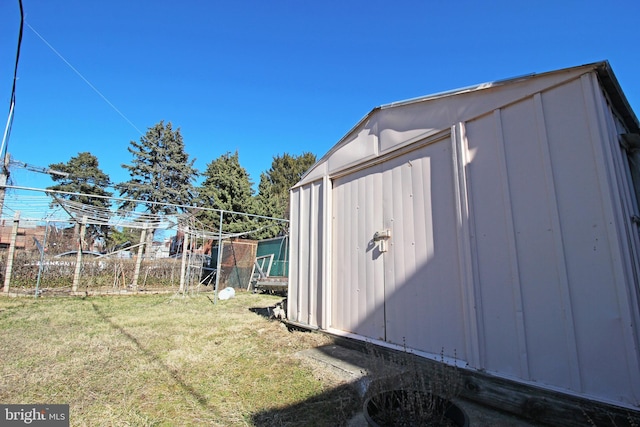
382,238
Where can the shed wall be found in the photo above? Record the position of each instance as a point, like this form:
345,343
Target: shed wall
512,244
552,245
305,301
551,241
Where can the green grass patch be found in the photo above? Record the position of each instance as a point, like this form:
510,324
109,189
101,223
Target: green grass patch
158,360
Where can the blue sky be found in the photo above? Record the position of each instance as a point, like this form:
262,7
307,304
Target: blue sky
272,77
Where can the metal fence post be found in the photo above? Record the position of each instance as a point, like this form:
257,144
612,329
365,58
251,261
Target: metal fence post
219,264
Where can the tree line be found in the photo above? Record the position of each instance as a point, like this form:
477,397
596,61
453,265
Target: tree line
162,180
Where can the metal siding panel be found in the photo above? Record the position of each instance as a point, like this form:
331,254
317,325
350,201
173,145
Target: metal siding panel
315,240
294,259
542,360
319,300
467,252
338,302
391,174
441,271
361,244
395,322
370,218
317,308
629,236
628,229
399,124
327,245
585,233
370,270
497,272
357,279
422,239
376,275
548,323
425,288
363,144
357,282
305,303
305,260
596,263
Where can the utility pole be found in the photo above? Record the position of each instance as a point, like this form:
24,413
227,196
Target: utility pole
4,174
4,170
4,177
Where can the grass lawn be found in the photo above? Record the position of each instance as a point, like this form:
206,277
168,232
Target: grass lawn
163,360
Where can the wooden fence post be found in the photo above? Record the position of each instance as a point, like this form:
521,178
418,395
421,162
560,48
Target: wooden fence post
183,267
12,250
78,270
143,241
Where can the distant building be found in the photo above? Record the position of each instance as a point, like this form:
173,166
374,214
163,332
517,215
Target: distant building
24,238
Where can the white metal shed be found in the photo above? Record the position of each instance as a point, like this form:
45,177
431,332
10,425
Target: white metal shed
498,223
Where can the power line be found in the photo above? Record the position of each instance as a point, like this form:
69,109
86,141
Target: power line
7,130
85,79
190,208
39,169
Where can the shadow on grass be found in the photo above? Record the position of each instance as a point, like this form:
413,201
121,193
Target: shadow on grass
334,407
172,373
265,312
271,311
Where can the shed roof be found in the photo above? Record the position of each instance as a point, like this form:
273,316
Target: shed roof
394,125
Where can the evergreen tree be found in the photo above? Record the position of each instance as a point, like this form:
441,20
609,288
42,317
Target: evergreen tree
85,180
123,237
273,190
285,172
160,172
227,186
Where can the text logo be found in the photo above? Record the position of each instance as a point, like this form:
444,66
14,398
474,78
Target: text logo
34,415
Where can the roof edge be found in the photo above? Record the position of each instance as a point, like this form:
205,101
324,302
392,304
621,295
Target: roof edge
602,68
617,97
491,84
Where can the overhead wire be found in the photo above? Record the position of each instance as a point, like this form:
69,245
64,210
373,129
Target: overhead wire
53,206
23,20
84,79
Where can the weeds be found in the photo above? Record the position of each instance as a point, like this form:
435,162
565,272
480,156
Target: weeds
601,418
407,391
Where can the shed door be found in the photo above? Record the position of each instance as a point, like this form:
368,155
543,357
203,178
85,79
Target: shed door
411,293
358,265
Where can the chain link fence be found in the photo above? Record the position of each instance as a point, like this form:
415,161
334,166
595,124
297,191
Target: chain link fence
50,245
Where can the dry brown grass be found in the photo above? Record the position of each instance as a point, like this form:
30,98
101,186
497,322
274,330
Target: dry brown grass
158,360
